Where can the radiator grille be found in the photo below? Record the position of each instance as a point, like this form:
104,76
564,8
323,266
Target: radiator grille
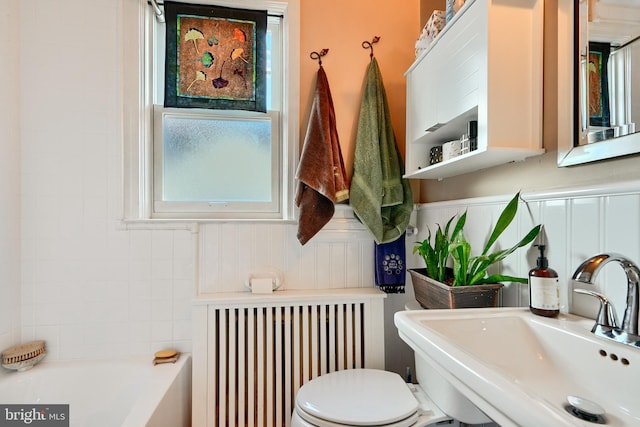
261,356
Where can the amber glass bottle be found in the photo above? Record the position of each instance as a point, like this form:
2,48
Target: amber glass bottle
544,290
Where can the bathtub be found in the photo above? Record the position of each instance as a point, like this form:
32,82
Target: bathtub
128,392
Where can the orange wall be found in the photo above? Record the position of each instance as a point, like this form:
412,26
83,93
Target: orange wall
428,6
342,26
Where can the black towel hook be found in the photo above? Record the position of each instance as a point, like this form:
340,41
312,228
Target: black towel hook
318,56
369,45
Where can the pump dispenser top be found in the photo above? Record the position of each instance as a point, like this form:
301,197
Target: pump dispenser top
544,291
542,261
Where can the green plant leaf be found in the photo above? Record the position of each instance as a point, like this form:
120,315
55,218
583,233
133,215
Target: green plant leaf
481,263
470,270
457,229
504,220
478,269
442,252
460,251
436,253
530,236
498,278
428,254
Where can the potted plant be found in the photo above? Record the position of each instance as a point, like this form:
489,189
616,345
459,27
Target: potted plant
453,278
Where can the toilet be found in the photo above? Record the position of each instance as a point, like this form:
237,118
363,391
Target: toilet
363,397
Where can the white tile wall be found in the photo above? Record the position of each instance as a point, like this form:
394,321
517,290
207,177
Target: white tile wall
90,287
9,177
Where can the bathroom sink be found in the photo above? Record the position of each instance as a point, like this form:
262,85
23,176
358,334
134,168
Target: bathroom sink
519,369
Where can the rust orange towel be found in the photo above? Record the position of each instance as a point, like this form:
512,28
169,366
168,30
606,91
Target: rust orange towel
321,174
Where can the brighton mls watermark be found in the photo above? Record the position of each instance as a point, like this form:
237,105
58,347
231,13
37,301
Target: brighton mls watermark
34,415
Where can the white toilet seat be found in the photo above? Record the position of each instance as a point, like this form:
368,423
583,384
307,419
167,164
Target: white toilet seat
357,397
311,421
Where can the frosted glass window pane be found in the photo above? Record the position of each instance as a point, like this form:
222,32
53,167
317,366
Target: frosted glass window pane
216,160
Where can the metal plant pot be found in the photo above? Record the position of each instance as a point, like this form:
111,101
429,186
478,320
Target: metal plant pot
433,294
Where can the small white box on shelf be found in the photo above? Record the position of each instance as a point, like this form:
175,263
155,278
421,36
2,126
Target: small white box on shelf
450,149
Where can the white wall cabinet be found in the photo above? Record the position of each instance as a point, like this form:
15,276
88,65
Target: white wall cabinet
485,65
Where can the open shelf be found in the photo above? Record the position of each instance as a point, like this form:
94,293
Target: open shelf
467,74
473,161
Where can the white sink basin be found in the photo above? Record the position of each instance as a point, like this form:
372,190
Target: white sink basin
519,368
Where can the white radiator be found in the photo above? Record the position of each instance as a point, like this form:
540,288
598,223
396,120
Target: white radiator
257,351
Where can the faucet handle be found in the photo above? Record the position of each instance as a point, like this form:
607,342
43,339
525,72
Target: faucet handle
606,314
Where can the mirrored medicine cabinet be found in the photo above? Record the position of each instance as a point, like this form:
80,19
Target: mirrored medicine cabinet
599,48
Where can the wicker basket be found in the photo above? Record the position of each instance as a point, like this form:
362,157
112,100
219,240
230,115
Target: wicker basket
433,294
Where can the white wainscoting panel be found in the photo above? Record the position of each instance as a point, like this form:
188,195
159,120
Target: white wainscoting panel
339,256
578,223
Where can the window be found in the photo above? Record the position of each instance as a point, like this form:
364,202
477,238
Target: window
211,164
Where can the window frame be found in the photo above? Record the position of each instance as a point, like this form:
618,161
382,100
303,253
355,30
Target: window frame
221,209
138,112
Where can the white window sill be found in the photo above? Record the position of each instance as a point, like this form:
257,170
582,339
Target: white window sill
343,219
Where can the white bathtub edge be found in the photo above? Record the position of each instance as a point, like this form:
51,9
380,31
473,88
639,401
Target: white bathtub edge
148,407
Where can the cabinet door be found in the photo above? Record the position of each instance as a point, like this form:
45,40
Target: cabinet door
422,96
465,46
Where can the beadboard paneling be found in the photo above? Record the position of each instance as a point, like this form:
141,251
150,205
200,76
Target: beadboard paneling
340,256
578,223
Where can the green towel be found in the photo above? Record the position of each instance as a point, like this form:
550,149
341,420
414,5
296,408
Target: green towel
381,199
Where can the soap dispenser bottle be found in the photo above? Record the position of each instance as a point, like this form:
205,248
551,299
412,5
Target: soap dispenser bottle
544,290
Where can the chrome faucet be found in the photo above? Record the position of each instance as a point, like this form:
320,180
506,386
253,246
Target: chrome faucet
607,324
